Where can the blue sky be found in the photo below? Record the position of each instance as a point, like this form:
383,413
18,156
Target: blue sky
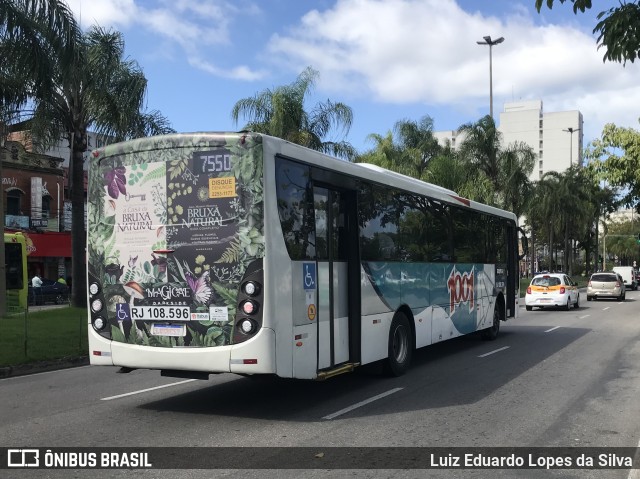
386,59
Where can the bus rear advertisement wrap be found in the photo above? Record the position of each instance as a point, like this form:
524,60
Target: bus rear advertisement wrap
176,229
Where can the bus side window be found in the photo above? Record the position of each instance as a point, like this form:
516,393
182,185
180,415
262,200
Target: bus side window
378,220
295,208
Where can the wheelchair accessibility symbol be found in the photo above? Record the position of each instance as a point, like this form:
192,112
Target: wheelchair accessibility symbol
122,312
309,275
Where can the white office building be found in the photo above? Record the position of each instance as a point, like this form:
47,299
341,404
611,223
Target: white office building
555,137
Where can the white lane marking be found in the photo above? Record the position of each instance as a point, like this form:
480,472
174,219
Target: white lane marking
585,316
493,352
604,309
634,473
146,390
361,403
552,329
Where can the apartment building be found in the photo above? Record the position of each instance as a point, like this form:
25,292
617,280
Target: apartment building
556,137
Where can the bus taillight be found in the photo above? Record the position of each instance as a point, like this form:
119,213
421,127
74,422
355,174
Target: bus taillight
96,305
99,323
250,299
251,288
247,326
249,307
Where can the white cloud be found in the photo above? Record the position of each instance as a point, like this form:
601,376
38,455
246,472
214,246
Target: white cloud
425,51
105,12
194,25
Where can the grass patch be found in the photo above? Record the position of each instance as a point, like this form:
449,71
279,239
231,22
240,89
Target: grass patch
43,335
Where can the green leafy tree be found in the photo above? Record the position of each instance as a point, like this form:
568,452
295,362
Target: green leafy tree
618,28
281,112
618,160
72,80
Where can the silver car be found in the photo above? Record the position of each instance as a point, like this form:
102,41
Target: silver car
606,285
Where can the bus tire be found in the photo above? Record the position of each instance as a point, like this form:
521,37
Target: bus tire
400,346
491,333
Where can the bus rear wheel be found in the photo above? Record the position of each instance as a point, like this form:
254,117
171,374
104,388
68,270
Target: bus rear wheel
491,333
400,346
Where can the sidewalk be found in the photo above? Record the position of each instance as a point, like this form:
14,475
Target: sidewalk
42,366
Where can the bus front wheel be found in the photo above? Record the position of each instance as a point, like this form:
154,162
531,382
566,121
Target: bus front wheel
400,346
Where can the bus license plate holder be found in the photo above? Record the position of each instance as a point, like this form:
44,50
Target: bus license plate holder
164,329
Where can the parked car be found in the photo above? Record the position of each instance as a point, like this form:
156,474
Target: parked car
552,290
606,285
50,292
628,274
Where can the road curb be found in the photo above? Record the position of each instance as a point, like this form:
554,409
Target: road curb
42,366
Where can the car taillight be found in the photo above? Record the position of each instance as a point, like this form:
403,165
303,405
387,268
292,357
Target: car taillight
529,290
562,290
617,284
589,284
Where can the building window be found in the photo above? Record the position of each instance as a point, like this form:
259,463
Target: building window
46,206
540,174
540,143
540,164
14,202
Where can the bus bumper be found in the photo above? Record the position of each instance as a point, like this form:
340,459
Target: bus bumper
255,356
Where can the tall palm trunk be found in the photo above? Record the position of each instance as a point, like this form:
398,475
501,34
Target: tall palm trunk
78,228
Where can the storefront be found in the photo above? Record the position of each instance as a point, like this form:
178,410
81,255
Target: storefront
49,254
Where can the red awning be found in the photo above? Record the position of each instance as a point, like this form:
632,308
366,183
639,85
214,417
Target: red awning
49,244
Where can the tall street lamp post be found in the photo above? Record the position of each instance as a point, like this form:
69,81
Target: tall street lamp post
491,43
571,131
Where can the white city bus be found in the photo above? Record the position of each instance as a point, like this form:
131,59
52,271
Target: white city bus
244,253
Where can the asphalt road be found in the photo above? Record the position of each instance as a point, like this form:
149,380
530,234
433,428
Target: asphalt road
552,378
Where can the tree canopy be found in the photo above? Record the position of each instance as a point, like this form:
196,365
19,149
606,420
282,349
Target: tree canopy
281,112
618,152
618,28
71,80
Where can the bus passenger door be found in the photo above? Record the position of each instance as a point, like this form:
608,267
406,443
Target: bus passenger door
337,260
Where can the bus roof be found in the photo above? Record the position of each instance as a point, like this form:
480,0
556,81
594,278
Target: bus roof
277,145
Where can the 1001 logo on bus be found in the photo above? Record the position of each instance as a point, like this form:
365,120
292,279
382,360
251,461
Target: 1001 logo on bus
460,287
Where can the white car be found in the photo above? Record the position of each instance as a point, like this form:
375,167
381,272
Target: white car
554,290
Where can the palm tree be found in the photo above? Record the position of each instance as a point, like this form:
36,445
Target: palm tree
73,80
419,144
516,164
438,164
385,153
481,148
280,112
